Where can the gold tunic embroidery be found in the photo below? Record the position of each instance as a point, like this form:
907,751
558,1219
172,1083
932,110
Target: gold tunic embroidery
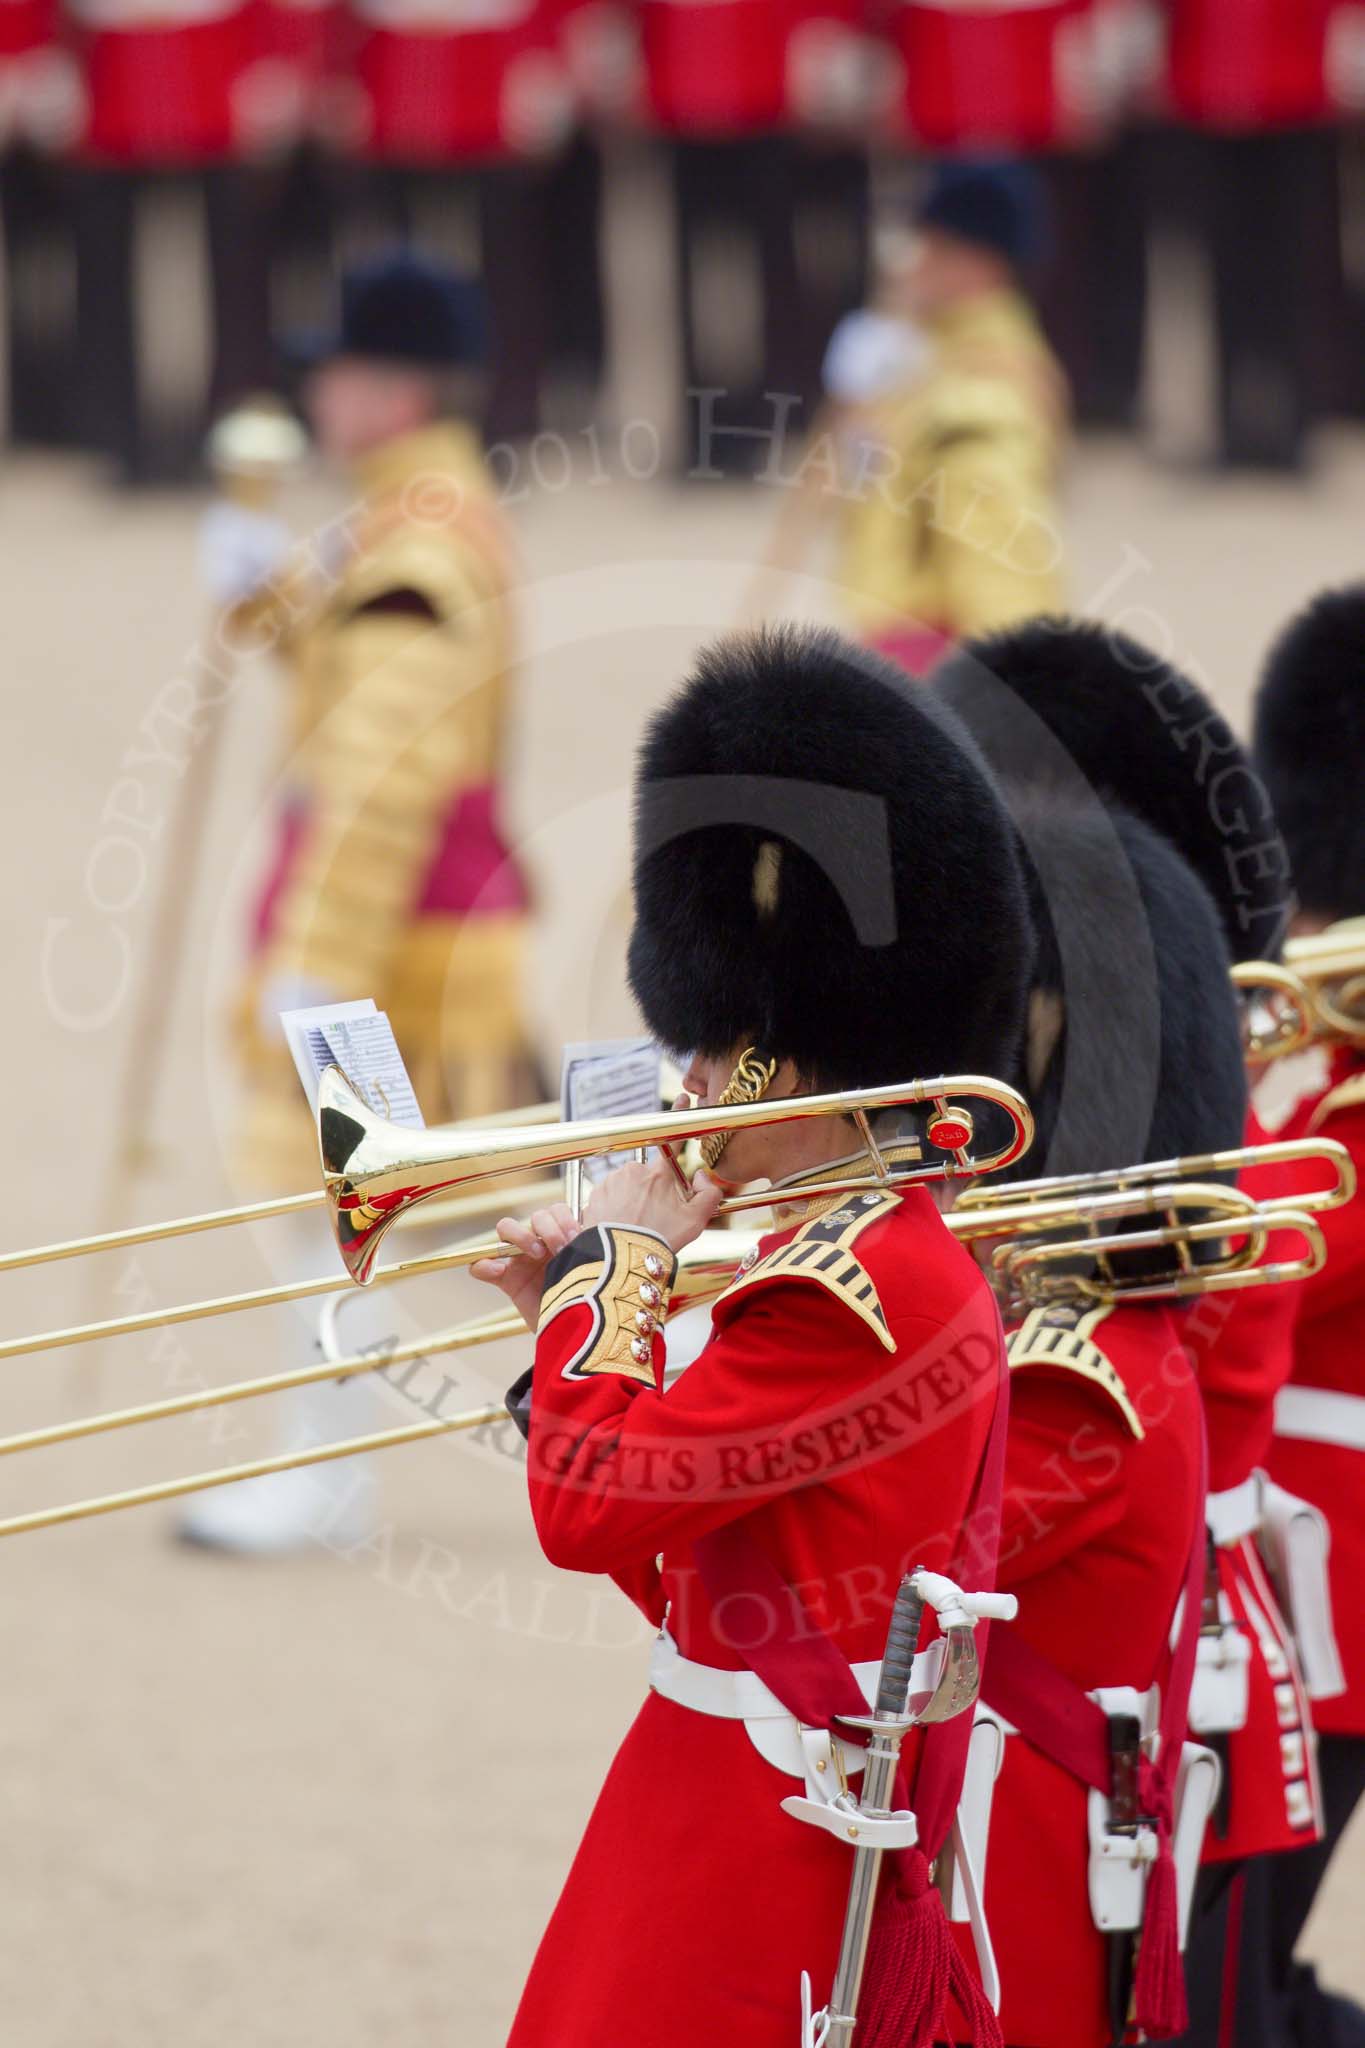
822,1251
1064,1339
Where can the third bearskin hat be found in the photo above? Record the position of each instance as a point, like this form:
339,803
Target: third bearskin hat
1309,745
1079,705
1134,1044
824,868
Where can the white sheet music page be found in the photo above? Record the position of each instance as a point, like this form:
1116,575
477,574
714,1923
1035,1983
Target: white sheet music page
359,1039
610,1077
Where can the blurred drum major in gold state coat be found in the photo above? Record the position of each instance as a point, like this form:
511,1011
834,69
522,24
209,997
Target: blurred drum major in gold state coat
952,525
390,876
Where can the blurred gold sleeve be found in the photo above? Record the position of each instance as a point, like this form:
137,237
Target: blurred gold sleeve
984,521
413,671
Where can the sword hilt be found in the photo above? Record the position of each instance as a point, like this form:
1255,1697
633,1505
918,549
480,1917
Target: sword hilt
902,1644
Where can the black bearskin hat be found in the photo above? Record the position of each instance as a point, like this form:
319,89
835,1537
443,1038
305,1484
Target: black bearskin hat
1135,1045
1309,745
823,868
1073,704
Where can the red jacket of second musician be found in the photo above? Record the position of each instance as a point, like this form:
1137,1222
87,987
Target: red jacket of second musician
1101,1500
1328,1467
1241,1343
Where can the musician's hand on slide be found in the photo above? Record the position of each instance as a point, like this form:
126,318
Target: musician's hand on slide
522,1278
635,1197
650,1197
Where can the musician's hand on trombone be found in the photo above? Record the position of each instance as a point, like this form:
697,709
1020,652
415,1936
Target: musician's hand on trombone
656,1197
647,1197
522,1279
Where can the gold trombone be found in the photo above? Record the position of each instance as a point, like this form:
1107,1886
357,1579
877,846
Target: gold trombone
377,1173
705,1269
374,1172
1036,1268
1316,993
1277,1010
1331,967
394,1181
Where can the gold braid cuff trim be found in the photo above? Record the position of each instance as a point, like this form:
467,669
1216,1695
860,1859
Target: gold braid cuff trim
822,1251
625,1277
1063,1339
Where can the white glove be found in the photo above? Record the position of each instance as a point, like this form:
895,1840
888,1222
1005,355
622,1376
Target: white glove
239,551
872,354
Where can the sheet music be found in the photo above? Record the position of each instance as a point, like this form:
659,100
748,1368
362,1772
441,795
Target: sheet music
359,1039
610,1077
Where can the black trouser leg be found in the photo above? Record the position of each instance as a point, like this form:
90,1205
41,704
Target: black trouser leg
40,301
573,262
1262,192
110,412
831,210
239,212
512,237
1092,284
733,215
1316,2018
1228,1983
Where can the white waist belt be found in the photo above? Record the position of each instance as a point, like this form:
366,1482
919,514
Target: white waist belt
1319,1416
1236,1512
729,1695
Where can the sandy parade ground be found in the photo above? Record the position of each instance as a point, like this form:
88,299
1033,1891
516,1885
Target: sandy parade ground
330,1800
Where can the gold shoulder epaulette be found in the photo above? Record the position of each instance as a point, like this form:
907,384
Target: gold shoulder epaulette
1063,1338
1349,1094
430,564
822,1251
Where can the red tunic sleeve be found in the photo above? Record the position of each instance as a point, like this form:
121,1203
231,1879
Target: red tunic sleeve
1241,1341
1065,1481
1341,1283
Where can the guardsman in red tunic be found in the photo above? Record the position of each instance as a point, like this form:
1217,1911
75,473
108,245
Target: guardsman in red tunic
812,843
1135,1054
455,103
1010,74
1264,89
766,106
213,93
1309,743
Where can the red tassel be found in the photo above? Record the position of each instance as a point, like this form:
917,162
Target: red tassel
904,1998
914,1966
983,2024
1159,1982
